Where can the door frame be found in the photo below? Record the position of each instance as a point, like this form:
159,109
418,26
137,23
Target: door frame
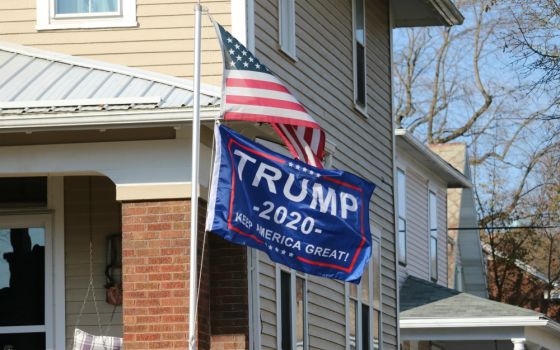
52,219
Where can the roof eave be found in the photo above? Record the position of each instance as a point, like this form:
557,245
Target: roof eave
451,175
467,322
430,13
103,119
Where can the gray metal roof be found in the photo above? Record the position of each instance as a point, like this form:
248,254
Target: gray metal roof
33,80
423,299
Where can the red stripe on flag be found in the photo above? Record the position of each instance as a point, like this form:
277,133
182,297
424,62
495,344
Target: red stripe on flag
255,84
264,102
265,118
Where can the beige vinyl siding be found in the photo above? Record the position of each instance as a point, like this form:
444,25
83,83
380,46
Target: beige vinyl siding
322,79
162,42
105,219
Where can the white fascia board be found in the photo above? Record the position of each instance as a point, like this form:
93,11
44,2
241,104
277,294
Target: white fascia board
102,119
422,150
514,321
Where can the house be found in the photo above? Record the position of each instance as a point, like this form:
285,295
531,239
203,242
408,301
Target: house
521,284
439,307
95,120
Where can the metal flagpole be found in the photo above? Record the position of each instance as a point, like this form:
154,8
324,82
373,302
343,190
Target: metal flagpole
194,181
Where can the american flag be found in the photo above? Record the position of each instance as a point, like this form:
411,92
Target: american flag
251,92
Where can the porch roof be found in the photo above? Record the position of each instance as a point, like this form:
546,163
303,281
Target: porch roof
432,312
34,81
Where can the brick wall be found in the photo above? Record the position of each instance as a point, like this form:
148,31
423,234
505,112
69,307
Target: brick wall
156,281
155,276
229,304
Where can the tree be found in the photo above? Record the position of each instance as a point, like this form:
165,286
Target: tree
535,40
458,84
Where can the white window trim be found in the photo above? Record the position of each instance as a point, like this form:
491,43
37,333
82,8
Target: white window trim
287,28
432,190
361,109
46,19
376,238
293,275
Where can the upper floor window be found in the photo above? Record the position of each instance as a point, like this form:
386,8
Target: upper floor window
65,14
363,302
401,215
287,27
433,236
359,34
291,309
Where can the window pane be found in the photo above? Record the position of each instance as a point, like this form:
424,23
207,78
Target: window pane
365,328
402,240
353,323
71,6
104,5
401,193
360,75
301,313
22,276
86,6
285,297
433,211
22,341
359,24
433,258
364,283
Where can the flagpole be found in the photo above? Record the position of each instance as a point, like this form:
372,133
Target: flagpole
193,292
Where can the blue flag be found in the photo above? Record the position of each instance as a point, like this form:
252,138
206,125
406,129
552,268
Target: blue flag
313,220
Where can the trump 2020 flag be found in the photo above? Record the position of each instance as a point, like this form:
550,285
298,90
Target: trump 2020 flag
251,92
310,219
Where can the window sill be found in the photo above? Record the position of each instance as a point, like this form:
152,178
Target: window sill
98,23
291,56
361,110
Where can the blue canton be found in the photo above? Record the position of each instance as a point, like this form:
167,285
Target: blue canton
236,56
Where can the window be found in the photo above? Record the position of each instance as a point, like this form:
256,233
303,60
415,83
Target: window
291,309
401,215
359,38
363,317
287,27
64,14
433,236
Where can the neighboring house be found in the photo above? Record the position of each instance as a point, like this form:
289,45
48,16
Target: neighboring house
521,284
432,315
97,144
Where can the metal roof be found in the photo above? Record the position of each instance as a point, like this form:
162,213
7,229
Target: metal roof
38,81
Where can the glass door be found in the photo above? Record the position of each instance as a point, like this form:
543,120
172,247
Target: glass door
25,279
